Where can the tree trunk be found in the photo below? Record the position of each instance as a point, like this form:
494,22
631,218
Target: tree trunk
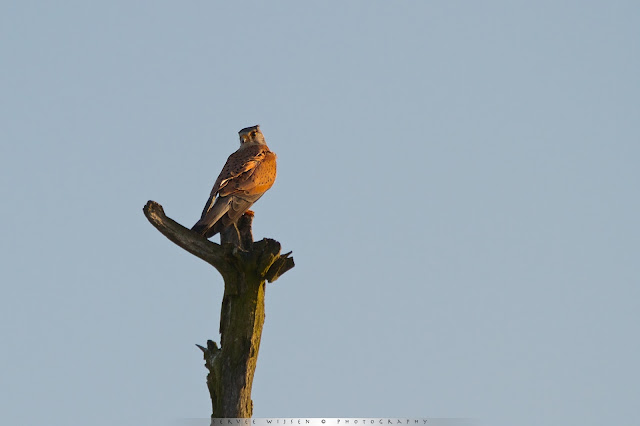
245,267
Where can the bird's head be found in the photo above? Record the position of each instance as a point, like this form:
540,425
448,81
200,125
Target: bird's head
251,136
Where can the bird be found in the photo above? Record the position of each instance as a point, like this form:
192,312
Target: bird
247,175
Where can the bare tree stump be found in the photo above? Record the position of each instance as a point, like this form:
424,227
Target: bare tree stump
245,266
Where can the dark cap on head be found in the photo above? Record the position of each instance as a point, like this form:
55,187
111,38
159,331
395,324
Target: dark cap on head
249,129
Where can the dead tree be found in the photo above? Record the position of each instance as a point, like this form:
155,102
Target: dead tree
245,265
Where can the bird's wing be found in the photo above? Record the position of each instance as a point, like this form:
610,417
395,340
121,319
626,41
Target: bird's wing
255,180
237,175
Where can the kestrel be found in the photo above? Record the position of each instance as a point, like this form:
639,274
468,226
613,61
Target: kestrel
247,175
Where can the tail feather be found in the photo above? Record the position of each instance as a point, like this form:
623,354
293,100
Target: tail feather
224,212
207,224
200,228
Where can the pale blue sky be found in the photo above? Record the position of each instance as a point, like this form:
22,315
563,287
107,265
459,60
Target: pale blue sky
458,182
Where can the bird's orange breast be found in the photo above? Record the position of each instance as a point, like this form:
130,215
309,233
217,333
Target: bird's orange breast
264,175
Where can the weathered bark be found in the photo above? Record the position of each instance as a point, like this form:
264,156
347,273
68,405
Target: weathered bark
245,266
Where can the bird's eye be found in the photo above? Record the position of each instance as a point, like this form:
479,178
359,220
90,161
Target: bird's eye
253,134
